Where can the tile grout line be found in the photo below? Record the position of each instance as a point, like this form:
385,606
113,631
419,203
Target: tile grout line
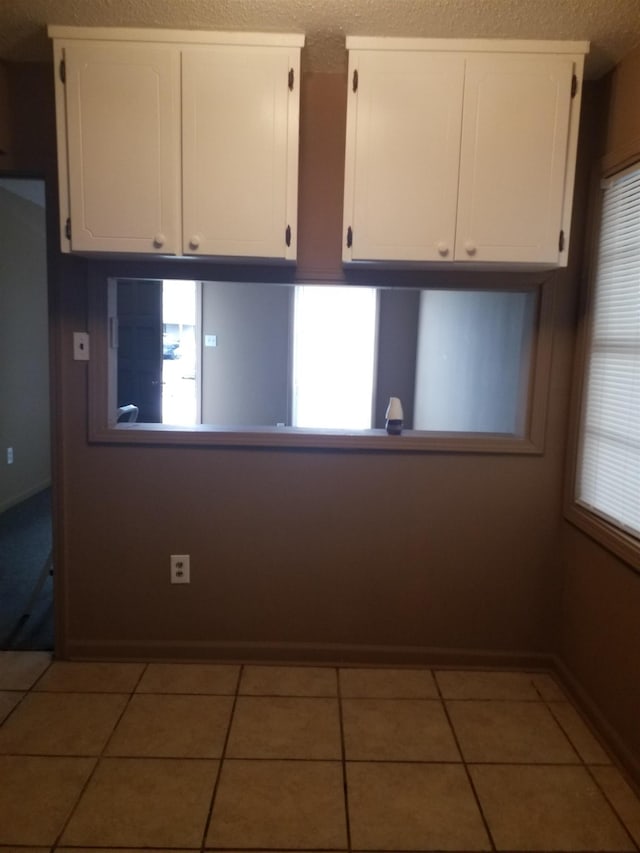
557,721
464,763
98,759
613,808
221,760
26,691
18,704
587,765
551,703
343,750
43,673
198,758
548,703
564,731
265,849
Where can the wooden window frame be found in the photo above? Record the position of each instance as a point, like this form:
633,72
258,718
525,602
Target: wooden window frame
606,533
101,379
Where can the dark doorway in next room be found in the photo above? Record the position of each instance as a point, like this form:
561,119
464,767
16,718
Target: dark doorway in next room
26,580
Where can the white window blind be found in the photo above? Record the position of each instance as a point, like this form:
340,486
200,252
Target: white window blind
608,474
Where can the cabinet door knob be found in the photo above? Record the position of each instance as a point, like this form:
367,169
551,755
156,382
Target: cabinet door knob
194,242
470,247
443,249
159,240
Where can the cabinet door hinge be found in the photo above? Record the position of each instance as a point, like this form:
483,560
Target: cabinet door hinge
355,80
291,79
287,235
67,228
349,237
561,242
63,71
574,86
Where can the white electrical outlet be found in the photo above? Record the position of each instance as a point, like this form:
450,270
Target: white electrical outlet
180,570
9,455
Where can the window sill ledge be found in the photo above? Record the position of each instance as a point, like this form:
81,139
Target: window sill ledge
623,545
293,437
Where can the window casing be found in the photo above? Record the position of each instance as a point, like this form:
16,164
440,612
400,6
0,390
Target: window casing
529,438
606,498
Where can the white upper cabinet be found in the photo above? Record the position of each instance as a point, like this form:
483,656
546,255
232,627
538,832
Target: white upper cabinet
236,110
461,151
514,157
400,205
123,147
175,143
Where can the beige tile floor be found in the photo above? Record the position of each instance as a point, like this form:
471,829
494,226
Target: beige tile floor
188,757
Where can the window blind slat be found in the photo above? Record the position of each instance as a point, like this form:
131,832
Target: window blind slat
608,474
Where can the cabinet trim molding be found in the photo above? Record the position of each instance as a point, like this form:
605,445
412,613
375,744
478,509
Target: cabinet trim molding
176,36
466,45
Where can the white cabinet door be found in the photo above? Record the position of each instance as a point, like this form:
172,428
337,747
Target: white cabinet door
240,151
403,144
514,156
122,107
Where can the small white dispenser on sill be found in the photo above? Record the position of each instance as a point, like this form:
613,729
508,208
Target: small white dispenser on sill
394,416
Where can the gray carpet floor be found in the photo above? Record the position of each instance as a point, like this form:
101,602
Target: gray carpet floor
25,545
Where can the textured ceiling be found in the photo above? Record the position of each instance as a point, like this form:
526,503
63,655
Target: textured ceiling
612,26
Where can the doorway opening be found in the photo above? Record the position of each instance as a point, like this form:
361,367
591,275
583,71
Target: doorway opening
158,357
26,566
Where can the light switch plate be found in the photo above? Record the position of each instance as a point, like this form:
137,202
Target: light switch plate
80,346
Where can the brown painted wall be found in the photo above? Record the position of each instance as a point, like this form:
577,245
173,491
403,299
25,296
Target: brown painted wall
303,553
6,161
601,635
32,116
623,126
600,638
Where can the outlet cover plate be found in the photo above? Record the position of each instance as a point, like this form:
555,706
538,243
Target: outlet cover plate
180,568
